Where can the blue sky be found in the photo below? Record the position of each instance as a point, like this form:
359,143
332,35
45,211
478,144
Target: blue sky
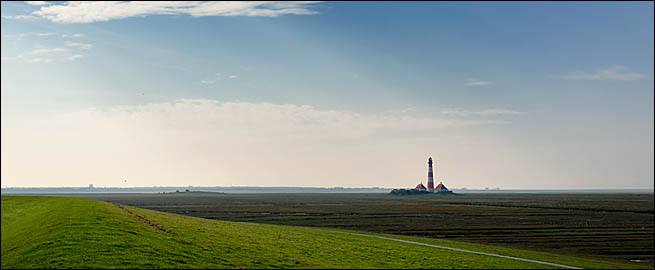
513,95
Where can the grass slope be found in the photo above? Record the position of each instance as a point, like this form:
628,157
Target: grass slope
609,226
55,232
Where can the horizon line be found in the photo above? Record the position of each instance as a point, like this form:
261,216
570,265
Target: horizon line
336,187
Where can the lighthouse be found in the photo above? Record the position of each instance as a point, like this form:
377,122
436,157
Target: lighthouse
430,176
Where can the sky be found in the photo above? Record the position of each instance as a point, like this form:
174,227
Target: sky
510,95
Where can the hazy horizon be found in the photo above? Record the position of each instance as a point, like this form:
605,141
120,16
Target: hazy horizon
311,187
327,94
293,190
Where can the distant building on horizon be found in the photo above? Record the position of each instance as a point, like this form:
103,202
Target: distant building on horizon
441,188
420,187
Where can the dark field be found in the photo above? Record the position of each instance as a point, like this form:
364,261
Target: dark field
616,226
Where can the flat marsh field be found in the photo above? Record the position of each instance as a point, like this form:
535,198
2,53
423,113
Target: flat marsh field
609,226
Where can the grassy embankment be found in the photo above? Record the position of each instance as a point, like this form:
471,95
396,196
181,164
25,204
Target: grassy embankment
616,227
49,232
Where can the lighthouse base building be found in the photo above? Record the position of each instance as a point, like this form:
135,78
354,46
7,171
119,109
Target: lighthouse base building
441,188
420,187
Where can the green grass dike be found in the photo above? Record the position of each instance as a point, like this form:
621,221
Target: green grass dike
58,232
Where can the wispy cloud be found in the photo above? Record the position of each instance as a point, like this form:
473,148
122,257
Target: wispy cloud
618,73
239,118
81,46
71,52
44,34
488,112
75,57
46,55
73,35
48,51
34,34
87,12
37,3
217,77
19,17
476,82
40,60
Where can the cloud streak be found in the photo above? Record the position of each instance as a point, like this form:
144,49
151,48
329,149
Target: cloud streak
48,51
81,46
19,17
38,34
476,82
75,57
88,12
71,52
616,73
36,3
44,34
269,119
40,60
488,112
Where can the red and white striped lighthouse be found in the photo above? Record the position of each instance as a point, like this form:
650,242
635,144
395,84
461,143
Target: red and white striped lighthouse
430,177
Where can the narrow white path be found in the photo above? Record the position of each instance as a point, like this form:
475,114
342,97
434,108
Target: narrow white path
463,250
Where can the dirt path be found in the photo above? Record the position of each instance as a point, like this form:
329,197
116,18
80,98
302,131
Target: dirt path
463,250
145,220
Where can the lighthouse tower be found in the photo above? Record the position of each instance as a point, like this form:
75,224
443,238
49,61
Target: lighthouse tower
430,177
